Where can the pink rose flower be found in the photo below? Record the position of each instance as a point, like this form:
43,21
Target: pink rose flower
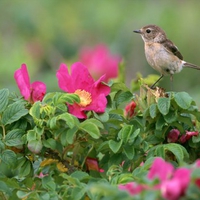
100,61
132,188
31,92
92,93
173,183
161,170
176,187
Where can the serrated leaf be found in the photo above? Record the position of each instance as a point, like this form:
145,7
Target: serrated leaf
160,151
153,110
4,93
96,122
13,112
171,117
119,86
178,150
183,99
9,157
90,128
70,120
14,137
163,105
123,97
115,146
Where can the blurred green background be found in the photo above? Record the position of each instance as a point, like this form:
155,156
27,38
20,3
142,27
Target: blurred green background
44,33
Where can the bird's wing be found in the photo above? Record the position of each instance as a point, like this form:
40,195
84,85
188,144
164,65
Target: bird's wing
168,44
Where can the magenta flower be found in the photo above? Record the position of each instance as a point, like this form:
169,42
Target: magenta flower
173,183
160,169
132,188
31,92
92,94
176,187
100,61
173,135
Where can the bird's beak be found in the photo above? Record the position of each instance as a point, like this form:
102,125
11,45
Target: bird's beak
138,31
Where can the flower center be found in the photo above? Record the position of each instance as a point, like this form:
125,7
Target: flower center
85,97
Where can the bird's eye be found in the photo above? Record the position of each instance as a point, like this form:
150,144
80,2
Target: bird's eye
148,31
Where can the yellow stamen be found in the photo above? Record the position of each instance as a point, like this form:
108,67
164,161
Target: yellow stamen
85,97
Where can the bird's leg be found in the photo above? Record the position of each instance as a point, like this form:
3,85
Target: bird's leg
171,80
152,87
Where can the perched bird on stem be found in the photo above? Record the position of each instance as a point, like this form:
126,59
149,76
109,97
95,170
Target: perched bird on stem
161,53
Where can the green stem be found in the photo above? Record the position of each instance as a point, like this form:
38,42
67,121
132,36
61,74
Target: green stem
4,131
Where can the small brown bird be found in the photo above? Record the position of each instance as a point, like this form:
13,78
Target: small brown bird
161,53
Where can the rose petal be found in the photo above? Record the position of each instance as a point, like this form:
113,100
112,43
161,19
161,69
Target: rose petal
23,82
38,90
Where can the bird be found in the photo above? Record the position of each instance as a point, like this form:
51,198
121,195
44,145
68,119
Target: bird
161,53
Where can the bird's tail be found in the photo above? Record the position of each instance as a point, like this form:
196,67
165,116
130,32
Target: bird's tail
190,65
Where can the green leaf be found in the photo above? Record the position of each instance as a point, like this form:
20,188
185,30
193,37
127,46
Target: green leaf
48,183
178,150
134,135
78,192
115,146
4,188
125,132
96,122
171,116
9,157
119,86
70,135
123,97
50,143
35,110
70,120
80,175
183,99
4,93
103,117
90,128
22,194
14,137
129,151
35,146
13,112
160,151
31,135
163,105
25,169
160,123
153,110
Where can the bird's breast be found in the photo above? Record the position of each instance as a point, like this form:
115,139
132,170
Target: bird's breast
161,59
